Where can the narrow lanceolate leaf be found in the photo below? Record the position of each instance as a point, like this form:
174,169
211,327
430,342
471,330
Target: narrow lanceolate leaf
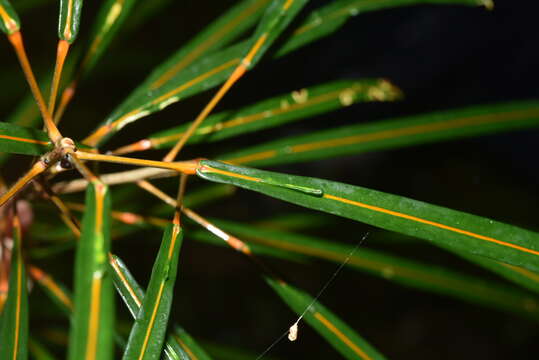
110,18
9,20
126,285
203,75
518,275
26,113
144,11
22,140
38,351
56,291
395,133
465,232
273,112
178,342
218,34
69,22
328,19
277,17
336,332
148,333
14,318
25,5
92,331
169,79
426,277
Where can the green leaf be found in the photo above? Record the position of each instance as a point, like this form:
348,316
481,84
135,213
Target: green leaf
464,232
26,113
14,316
9,20
22,140
296,221
132,295
393,133
279,110
220,33
144,11
226,352
126,285
277,17
110,18
342,337
209,238
180,342
516,274
410,273
56,291
25,5
145,100
187,72
38,351
69,22
198,198
148,333
92,331
202,75
328,19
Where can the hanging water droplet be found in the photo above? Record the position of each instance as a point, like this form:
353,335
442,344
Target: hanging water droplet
293,332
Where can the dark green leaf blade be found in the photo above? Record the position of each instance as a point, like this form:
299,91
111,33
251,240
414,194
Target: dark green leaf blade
38,351
277,17
144,11
110,19
178,342
216,35
9,20
465,232
69,21
280,110
92,331
328,19
22,140
14,316
202,75
393,133
25,5
342,337
148,333
407,272
56,292
168,83
516,274
144,100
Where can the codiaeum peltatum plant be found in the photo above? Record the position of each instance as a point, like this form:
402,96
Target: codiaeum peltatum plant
41,219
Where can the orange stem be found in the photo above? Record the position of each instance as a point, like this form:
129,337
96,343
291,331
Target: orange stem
34,171
234,77
61,54
17,42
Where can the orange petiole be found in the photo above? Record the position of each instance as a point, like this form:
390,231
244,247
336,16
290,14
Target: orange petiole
61,54
17,42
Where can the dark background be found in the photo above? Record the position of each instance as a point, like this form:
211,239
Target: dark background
442,57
